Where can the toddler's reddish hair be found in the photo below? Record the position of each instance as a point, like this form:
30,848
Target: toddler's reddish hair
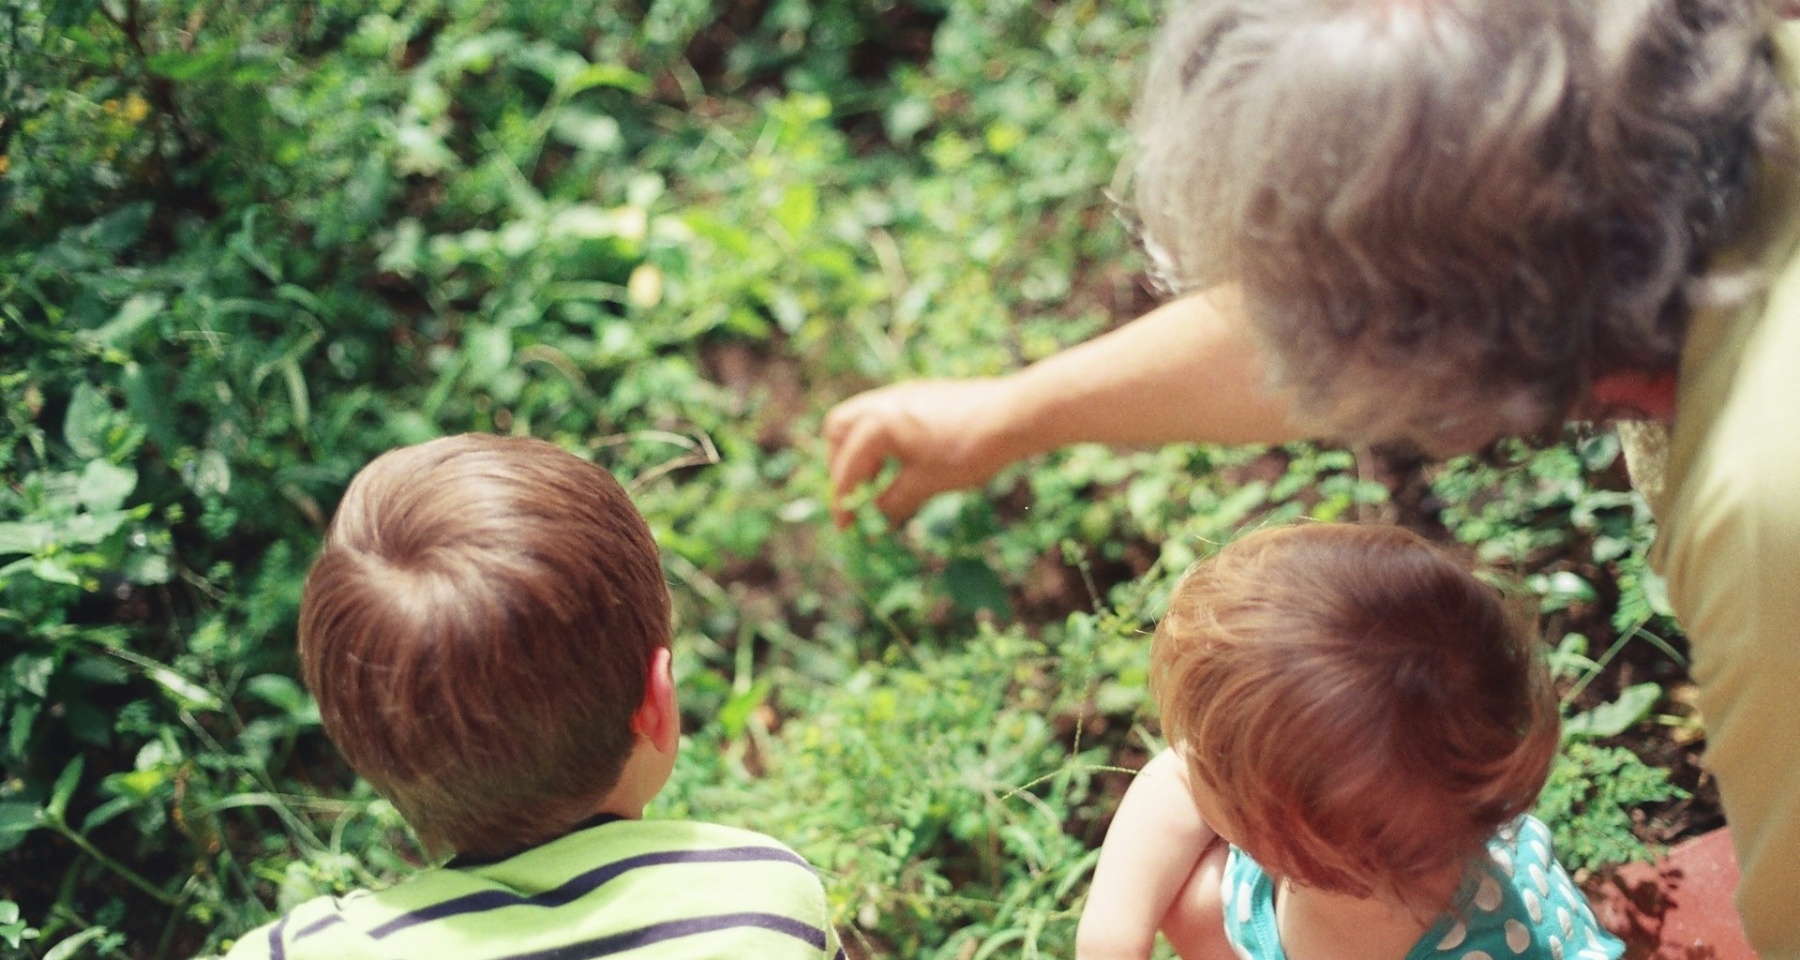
1367,712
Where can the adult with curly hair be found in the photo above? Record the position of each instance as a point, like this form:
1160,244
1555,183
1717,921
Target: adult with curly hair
1448,221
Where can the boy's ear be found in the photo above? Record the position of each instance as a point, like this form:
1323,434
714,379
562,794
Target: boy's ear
658,718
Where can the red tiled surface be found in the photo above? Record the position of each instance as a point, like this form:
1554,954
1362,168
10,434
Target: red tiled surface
1678,908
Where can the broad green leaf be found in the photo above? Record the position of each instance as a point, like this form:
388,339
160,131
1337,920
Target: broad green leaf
116,232
137,784
974,586
86,721
586,131
422,152
98,670
489,350
17,816
27,537
280,692
32,673
104,485
18,729
54,570
84,426
135,312
1612,719
90,528
17,819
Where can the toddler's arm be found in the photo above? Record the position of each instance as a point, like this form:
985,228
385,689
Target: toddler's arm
1151,850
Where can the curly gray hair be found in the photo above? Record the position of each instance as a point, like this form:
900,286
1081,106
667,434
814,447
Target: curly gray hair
1449,217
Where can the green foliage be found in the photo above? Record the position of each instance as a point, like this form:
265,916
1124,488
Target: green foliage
932,791
245,246
14,930
1588,800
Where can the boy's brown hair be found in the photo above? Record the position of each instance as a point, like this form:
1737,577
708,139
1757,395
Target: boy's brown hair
1367,712
478,629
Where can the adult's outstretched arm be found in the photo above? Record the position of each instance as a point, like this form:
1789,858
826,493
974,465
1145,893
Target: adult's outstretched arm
1187,371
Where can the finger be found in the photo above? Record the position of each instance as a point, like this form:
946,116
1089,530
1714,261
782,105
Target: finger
856,461
840,418
905,496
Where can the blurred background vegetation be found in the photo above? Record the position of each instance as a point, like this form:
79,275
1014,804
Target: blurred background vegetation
245,245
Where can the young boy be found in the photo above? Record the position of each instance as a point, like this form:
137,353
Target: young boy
487,634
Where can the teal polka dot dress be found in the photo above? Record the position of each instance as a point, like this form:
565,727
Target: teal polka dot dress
1521,906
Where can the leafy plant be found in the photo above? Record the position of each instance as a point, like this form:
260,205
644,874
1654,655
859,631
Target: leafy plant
244,247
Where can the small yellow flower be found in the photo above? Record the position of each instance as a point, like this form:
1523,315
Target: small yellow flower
136,108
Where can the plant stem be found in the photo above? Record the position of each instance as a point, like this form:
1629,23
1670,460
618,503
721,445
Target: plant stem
130,876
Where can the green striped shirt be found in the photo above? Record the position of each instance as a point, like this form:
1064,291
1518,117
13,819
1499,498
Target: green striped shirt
634,889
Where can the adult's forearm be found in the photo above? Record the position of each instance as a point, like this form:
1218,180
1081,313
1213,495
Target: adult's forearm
1187,371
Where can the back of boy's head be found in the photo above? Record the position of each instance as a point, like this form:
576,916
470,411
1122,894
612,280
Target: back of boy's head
478,630
1367,712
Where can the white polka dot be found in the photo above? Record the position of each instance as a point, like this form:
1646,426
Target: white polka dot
1567,920
1504,860
1487,895
1454,938
1533,906
1476,955
1556,949
1543,852
1542,881
1517,937
1243,908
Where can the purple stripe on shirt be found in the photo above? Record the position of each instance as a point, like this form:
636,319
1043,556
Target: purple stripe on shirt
330,919
581,885
276,950
658,932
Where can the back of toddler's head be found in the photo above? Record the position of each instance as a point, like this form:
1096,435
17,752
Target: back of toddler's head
1367,711
478,630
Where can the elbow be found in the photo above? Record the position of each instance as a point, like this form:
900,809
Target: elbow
1099,941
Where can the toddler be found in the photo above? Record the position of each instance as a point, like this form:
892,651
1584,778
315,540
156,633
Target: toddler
1357,728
